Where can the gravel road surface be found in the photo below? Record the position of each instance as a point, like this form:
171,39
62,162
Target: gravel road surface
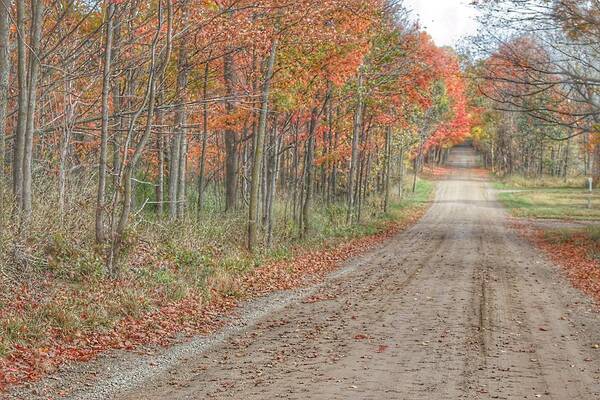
457,307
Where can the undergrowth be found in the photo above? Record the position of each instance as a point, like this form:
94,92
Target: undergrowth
61,287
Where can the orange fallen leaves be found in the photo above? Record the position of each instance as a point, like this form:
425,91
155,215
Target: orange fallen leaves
574,256
382,348
436,172
190,316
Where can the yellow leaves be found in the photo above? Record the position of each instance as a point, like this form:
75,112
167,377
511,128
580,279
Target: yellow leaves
210,5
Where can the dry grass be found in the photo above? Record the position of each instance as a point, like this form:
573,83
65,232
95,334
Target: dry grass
553,203
61,286
548,182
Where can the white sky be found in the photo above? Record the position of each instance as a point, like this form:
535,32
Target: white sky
445,20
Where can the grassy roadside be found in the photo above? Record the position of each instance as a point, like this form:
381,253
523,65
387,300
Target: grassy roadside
179,280
548,198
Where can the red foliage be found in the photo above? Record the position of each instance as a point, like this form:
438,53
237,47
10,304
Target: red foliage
458,127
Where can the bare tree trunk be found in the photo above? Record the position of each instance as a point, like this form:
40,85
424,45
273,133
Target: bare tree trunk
64,145
357,128
296,167
258,150
19,145
565,171
129,166
358,191
309,174
334,169
401,173
181,188
4,81
160,153
4,86
204,139
231,136
388,156
181,120
330,191
418,161
174,174
37,13
274,165
596,166
102,167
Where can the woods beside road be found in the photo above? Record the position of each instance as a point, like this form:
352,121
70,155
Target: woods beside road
164,162
155,153
457,306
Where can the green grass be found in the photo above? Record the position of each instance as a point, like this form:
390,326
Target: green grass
548,197
545,182
69,293
552,203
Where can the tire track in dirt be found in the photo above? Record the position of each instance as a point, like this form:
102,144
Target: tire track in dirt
456,307
448,310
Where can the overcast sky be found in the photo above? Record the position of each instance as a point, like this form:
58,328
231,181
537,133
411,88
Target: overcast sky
445,20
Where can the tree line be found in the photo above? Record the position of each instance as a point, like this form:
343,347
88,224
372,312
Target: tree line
117,110
535,69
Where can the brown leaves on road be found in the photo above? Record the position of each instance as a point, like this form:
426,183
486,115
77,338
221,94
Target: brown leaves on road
382,348
575,254
191,315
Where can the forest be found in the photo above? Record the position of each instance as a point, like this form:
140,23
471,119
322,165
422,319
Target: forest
157,156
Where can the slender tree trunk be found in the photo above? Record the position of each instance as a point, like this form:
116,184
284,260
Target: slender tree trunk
258,150
417,163
160,155
273,169
358,192
401,173
541,158
596,166
565,171
19,144
174,174
231,136
160,115
64,145
388,157
129,167
309,175
294,180
4,81
204,139
330,190
181,187
357,129
181,120
102,167
37,13
177,143
334,169
4,85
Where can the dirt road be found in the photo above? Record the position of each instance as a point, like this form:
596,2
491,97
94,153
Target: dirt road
457,307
